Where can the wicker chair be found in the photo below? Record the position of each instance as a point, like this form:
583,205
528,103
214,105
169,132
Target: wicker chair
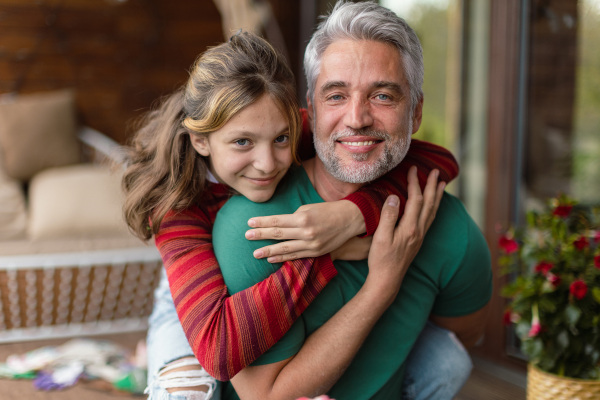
77,284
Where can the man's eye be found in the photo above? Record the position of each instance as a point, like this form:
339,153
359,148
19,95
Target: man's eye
242,142
282,139
383,97
336,97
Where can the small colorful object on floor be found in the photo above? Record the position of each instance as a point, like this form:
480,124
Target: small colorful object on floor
60,367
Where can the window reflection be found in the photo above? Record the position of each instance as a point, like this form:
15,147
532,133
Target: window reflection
586,139
562,147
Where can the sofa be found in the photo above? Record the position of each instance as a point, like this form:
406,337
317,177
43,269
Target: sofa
68,264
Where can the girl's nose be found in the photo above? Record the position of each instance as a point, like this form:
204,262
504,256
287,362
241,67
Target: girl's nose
265,161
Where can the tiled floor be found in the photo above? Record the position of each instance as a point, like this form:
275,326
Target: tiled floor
491,382
487,382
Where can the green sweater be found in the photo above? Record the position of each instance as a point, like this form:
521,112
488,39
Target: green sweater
450,276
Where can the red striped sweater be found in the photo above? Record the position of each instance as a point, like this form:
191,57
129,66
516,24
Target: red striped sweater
227,333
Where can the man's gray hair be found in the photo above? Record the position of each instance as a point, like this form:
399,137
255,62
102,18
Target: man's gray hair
366,21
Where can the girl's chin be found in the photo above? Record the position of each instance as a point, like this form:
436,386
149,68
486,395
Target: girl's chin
260,197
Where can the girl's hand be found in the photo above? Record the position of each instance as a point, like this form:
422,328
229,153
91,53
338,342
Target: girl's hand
313,230
394,247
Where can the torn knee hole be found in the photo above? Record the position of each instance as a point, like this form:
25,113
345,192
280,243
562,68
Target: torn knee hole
187,375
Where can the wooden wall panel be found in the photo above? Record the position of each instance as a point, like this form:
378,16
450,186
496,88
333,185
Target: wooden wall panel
505,29
118,56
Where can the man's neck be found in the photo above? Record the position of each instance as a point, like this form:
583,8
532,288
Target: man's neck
329,188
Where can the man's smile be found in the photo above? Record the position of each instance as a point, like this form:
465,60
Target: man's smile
367,143
359,144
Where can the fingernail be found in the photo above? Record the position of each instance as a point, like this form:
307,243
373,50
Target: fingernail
436,173
271,259
251,222
393,201
443,185
258,254
249,234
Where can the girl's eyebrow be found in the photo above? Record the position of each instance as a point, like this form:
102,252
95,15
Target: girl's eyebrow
250,134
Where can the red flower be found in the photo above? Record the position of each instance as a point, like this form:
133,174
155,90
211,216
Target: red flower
535,330
581,243
544,267
597,261
597,236
554,279
578,289
507,244
562,210
510,317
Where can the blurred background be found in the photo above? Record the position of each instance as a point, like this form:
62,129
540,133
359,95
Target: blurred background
512,87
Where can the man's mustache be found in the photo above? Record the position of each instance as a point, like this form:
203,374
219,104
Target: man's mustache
378,135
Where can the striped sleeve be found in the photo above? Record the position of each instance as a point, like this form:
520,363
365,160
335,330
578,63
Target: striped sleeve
426,157
227,333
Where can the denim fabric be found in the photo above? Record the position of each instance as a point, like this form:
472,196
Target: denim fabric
166,342
437,367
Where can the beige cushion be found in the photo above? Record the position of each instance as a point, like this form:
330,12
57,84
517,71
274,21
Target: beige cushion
38,131
20,247
82,200
13,212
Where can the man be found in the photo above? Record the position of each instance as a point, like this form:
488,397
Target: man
364,70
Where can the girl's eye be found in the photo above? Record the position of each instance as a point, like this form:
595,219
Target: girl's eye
242,142
282,139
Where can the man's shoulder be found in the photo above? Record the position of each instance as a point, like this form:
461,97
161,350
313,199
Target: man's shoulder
454,232
454,244
452,214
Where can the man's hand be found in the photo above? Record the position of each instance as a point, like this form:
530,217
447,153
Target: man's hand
313,230
394,247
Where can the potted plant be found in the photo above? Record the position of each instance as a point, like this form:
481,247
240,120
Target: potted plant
554,296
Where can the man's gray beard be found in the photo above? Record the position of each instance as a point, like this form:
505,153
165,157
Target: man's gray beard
393,154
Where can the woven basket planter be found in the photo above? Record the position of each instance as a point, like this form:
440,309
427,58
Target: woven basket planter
544,386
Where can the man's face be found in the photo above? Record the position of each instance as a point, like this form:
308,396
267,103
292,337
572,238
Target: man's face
361,114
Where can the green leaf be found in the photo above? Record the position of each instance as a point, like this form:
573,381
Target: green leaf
532,348
547,304
596,294
572,313
562,340
522,329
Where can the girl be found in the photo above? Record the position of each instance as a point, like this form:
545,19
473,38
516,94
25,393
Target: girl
172,195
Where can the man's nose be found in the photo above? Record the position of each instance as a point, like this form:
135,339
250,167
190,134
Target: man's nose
358,114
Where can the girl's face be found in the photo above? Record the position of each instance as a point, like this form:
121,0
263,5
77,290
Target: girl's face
251,152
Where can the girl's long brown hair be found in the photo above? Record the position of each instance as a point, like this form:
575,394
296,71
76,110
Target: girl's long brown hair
163,170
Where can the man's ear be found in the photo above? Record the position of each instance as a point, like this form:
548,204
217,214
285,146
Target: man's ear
417,116
200,144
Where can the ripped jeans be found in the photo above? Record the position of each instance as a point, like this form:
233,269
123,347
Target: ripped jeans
167,343
437,367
